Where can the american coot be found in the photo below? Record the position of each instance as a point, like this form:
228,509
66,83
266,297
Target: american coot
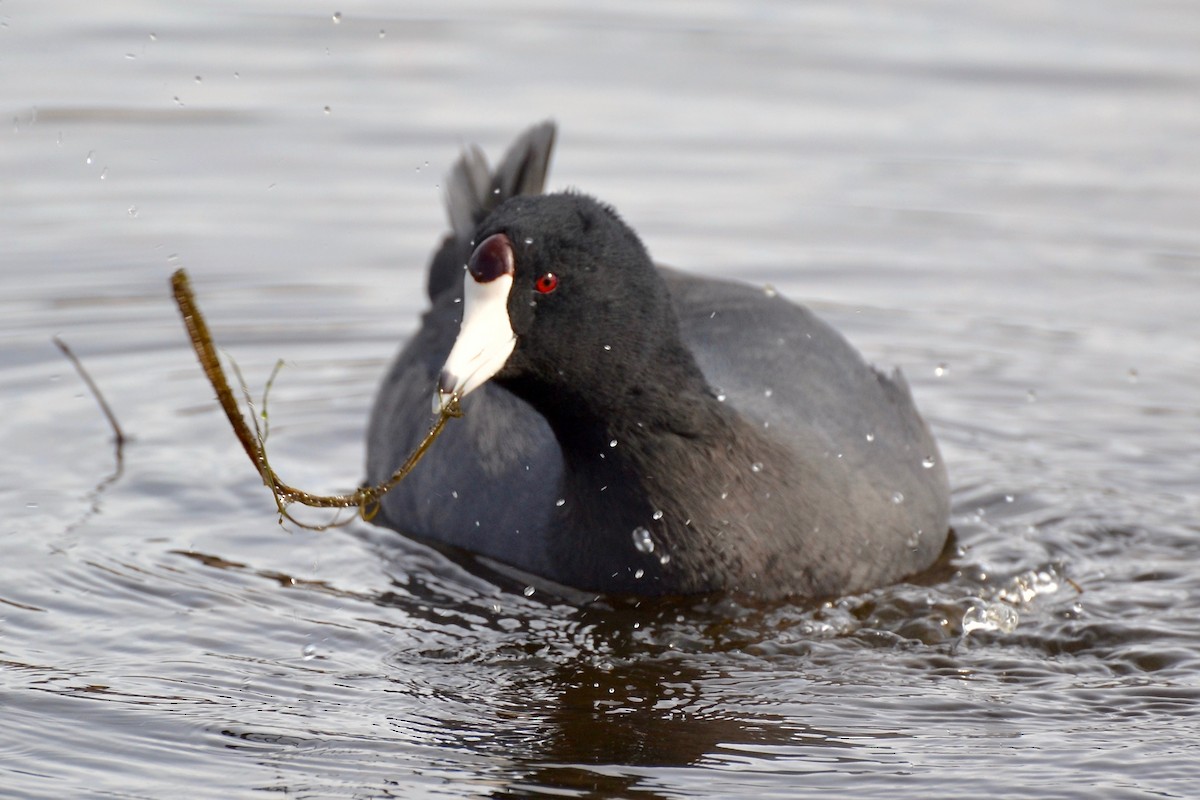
629,429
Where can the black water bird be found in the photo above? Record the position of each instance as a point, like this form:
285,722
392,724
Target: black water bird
630,429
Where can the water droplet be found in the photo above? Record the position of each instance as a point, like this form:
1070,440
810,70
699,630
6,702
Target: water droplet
560,502
1008,498
756,466
133,211
237,76
608,347
914,540
104,173
496,190
31,505
309,652
724,495
337,17
720,397
1132,375
769,290
88,160
1031,396
768,392
657,515
382,33
870,437
639,573
528,240
928,462
940,370
454,493
328,110
613,443
178,102
990,617
664,559
897,497
642,541
153,37
199,79
131,56
529,590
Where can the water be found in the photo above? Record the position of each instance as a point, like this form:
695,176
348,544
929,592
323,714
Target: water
1002,198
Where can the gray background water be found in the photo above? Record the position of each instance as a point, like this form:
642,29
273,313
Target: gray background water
1001,197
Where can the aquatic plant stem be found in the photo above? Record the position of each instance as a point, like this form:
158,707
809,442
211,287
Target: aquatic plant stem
365,499
118,434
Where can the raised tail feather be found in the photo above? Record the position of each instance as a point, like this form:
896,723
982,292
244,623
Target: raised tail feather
472,191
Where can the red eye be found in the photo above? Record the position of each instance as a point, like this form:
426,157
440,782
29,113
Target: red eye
547,283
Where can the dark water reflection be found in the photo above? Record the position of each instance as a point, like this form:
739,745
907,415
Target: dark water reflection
999,197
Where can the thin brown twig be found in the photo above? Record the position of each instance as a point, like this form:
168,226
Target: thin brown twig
365,499
118,435
266,422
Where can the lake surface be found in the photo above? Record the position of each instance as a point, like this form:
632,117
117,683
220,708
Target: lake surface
1003,198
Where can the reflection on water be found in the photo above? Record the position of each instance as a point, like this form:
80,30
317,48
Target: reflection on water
1001,198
